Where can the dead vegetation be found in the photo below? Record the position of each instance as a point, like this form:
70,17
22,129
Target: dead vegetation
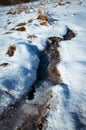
30,21
35,121
11,50
42,17
69,35
4,64
44,23
21,24
62,3
31,36
21,29
54,75
19,10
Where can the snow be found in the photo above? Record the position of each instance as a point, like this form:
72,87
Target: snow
68,104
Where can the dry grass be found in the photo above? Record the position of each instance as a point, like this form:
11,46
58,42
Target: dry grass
42,17
30,21
21,24
32,36
44,23
11,50
19,10
35,121
54,73
62,3
4,64
21,29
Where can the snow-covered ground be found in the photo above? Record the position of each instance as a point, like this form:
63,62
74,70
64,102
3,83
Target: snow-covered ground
68,104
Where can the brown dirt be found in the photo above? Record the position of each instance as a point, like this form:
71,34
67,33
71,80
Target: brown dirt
11,50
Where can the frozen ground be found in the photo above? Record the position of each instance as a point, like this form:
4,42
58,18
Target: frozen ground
68,104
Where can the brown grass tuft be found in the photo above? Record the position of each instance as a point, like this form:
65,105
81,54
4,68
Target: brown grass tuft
54,73
11,50
21,29
30,21
32,36
44,23
43,17
21,24
4,64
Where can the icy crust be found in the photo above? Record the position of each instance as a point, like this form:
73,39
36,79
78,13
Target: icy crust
17,77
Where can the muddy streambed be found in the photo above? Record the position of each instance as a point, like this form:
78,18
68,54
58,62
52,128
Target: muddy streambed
31,113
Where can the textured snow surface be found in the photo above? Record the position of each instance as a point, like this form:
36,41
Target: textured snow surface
68,104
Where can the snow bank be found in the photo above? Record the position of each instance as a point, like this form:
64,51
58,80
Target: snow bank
17,77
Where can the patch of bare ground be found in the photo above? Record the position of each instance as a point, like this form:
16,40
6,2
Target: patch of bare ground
69,35
4,64
30,21
27,115
11,50
44,23
32,36
54,75
21,24
42,17
21,29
